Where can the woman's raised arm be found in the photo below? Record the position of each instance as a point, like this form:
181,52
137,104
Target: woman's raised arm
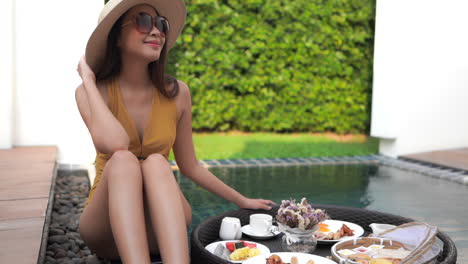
189,166
106,131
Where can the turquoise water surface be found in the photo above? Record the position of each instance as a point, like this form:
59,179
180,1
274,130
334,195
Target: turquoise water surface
386,189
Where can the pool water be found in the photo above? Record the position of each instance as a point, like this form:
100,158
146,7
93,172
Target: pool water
386,189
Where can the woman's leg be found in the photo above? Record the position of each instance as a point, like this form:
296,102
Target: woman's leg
113,223
169,211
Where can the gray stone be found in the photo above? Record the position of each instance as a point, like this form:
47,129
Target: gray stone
58,239
66,245
72,243
78,261
50,260
75,249
74,235
56,231
71,254
92,260
60,253
63,210
66,261
80,243
53,247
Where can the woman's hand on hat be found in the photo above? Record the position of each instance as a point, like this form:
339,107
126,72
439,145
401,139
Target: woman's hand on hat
85,71
256,204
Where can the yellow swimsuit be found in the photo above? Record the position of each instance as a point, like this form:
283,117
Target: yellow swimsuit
158,137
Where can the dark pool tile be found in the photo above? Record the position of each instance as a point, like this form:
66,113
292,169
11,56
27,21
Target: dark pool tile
212,162
314,160
225,162
327,159
365,158
237,161
295,161
303,160
265,161
281,161
251,161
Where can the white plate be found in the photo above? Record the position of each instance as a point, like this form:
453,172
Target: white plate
211,248
335,225
248,231
286,257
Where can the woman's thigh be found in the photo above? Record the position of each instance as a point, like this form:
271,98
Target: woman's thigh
95,228
157,163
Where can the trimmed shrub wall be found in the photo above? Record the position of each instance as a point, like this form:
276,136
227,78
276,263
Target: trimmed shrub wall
276,65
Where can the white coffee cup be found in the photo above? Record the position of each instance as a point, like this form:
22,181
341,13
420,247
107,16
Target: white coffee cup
230,229
260,224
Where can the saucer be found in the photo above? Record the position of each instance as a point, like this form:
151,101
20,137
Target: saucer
248,231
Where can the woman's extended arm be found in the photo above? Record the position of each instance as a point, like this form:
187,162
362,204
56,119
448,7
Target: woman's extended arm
106,131
189,165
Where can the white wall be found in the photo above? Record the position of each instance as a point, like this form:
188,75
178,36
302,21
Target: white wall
6,73
51,36
420,90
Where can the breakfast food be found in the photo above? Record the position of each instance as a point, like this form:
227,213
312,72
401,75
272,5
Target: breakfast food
324,233
323,228
275,259
241,250
244,253
360,258
381,261
374,254
231,246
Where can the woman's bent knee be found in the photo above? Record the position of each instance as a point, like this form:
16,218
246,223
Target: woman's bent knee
122,159
156,157
123,156
157,160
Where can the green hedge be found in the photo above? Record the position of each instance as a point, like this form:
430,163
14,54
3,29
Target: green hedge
276,65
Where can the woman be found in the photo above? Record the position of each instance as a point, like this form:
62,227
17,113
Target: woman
135,115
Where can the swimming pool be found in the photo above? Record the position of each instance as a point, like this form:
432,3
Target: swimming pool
376,187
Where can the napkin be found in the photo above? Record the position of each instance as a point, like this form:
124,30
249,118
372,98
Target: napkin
222,252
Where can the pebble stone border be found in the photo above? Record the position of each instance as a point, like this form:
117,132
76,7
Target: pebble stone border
71,186
66,203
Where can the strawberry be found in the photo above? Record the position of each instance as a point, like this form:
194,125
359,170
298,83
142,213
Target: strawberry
230,246
250,245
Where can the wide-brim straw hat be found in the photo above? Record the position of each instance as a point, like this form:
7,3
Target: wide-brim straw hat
173,10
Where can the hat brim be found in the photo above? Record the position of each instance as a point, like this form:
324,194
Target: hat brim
173,10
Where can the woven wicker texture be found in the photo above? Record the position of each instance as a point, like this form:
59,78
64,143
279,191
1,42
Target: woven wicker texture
207,232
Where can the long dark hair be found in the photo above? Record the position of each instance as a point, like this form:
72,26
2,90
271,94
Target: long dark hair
112,64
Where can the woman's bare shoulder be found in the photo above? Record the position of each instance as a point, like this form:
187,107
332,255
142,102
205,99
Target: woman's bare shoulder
184,92
182,99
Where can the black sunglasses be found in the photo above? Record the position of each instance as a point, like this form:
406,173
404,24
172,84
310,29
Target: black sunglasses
144,23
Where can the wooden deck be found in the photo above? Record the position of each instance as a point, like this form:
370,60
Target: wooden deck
26,175
454,158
